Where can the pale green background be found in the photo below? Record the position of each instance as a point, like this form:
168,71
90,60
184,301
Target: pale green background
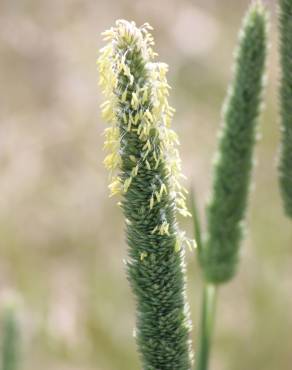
61,237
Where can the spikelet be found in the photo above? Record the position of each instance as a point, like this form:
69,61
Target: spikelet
232,169
132,103
145,169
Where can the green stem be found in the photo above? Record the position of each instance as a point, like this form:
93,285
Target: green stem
207,325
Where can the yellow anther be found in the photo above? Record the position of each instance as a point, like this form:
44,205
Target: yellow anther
125,117
115,187
147,145
157,196
107,112
127,184
148,115
145,130
162,190
156,164
134,101
154,230
145,155
136,119
162,146
180,202
139,129
191,244
184,212
148,165
177,246
151,202
108,35
104,104
135,170
164,228
143,255
133,158
145,95
111,161
124,96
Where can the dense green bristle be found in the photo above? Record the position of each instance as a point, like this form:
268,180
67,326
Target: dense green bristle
142,147
285,165
10,340
227,206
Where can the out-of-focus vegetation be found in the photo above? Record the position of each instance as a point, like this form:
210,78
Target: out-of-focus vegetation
61,237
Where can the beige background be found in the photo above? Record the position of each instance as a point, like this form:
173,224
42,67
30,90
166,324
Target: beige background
61,237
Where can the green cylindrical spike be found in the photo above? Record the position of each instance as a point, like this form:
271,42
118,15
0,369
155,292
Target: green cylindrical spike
285,165
226,209
10,339
143,149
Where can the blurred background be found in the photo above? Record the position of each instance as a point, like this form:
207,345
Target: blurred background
61,237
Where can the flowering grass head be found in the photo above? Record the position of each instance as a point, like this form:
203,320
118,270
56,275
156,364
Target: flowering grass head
145,169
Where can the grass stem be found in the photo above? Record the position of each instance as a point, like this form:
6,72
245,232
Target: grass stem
206,325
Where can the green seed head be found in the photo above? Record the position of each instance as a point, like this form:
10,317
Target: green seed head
227,206
10,337
285,164
145,166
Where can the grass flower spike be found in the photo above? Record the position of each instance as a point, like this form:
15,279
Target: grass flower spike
285,166
226,209
10,339
218,253
145,169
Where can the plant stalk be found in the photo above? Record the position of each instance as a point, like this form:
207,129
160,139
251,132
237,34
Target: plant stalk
206,326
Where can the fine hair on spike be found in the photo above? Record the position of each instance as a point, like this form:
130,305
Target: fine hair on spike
145,169
285,162
232,169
